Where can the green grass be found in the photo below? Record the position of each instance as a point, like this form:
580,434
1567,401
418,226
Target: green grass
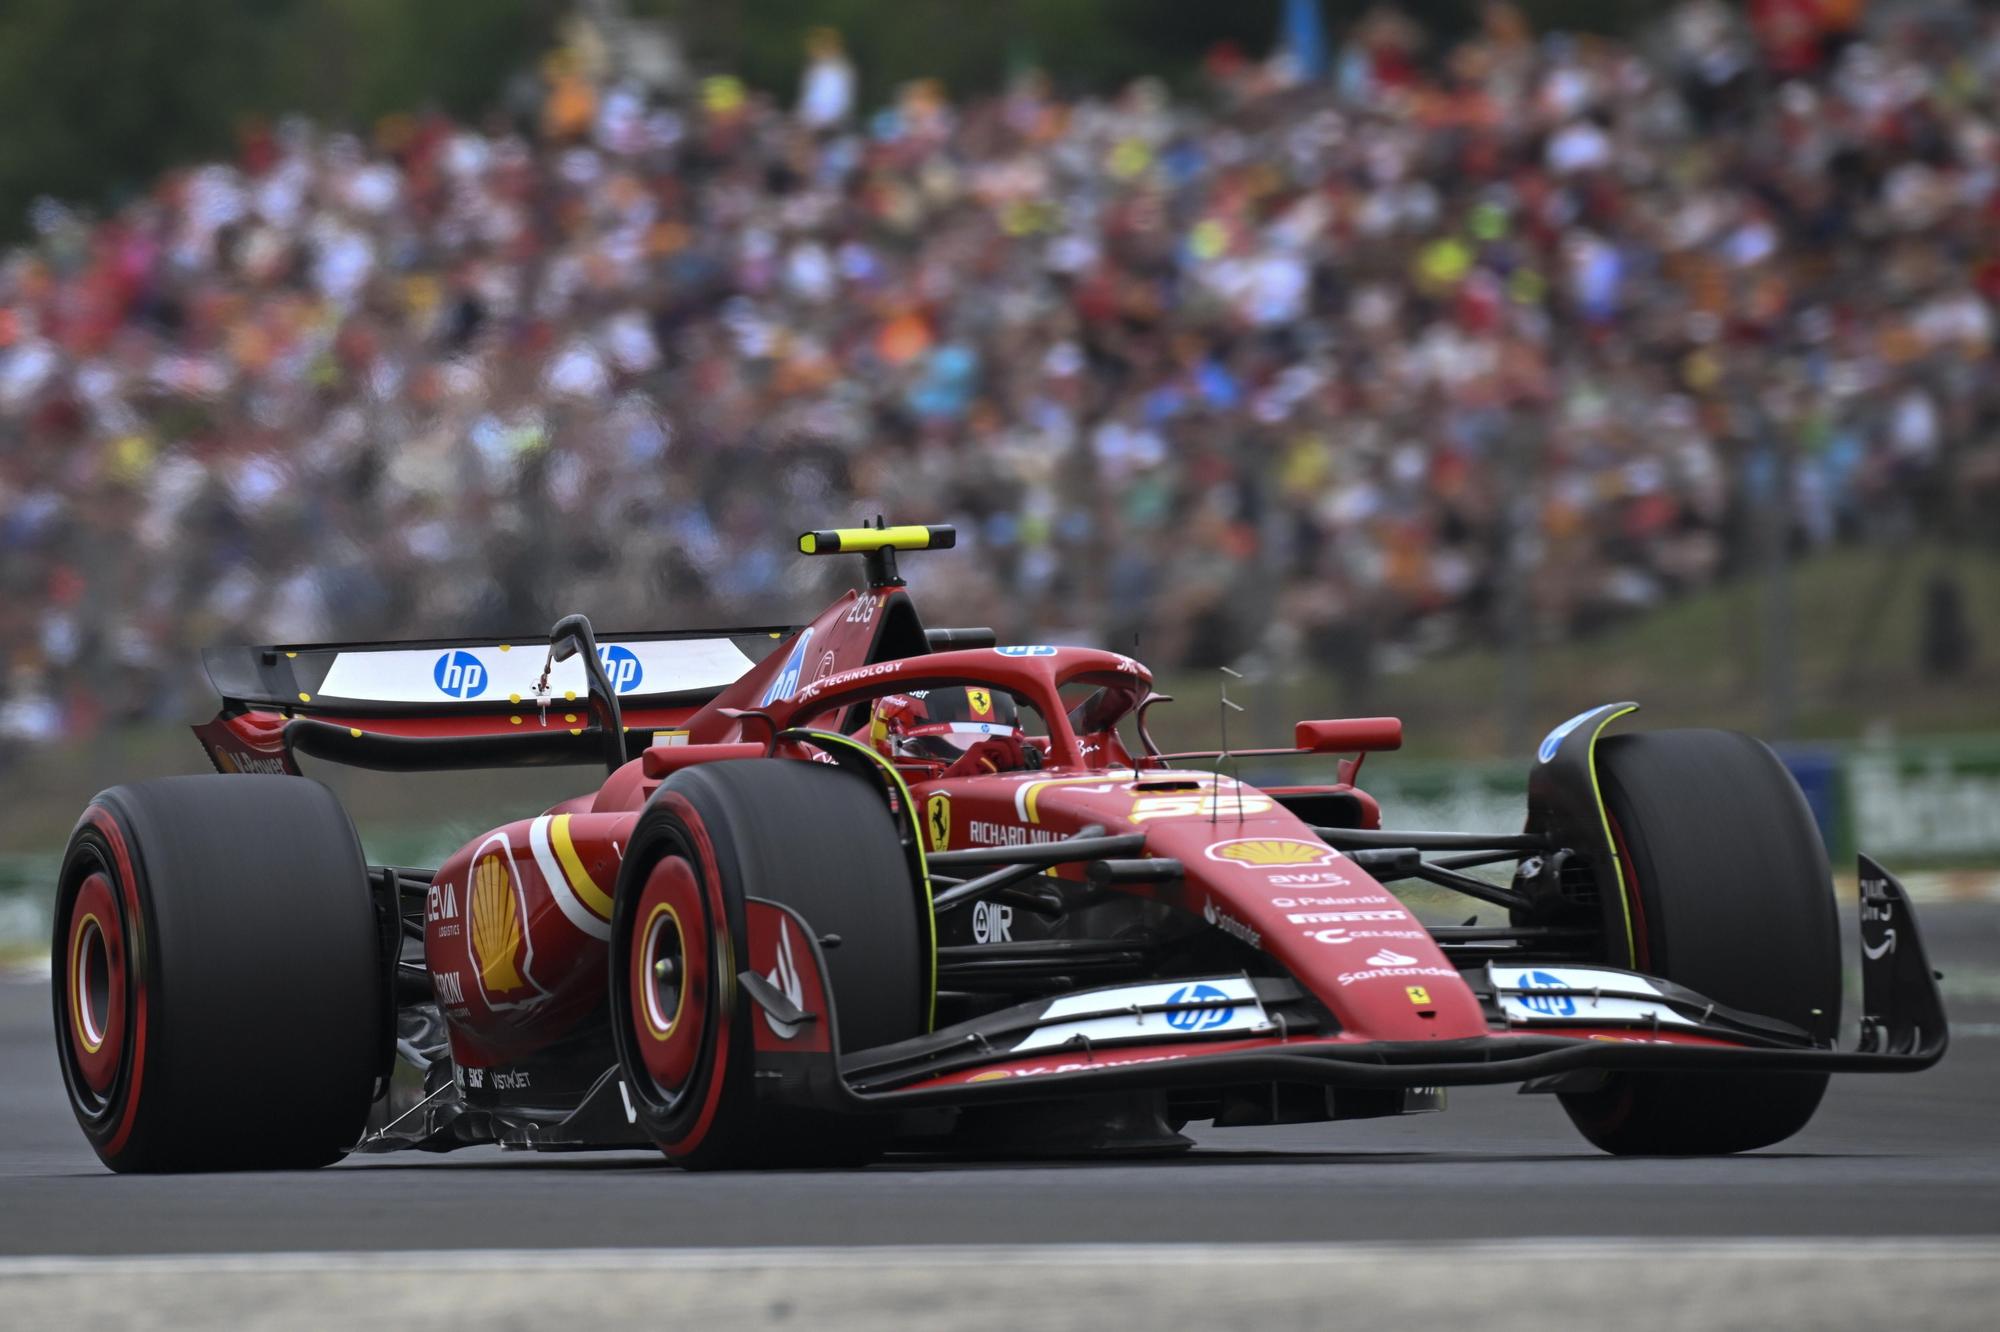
1695,662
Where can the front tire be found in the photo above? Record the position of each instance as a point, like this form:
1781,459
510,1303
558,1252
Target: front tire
219,997
821,841
1729,894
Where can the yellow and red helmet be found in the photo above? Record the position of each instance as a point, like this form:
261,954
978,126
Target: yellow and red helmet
941,724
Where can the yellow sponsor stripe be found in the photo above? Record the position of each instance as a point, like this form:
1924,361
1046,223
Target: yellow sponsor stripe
909,805
1027,801
579,878
1610,842
77,996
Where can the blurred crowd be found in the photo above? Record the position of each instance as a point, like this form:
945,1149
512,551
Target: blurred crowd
1435,344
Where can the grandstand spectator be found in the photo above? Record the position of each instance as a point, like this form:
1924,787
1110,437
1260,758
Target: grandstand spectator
1330,356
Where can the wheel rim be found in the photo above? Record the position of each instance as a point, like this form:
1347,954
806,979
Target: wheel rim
94,989
670,990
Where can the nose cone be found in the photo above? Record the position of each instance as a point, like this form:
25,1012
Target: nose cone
1266,881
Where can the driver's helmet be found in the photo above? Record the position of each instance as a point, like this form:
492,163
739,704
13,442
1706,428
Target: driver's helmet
941,724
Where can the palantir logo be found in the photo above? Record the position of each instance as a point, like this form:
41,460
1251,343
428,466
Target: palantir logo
622,667
459,674
1216,1010
1553,1005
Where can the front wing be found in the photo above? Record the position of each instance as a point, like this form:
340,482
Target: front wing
1550,1024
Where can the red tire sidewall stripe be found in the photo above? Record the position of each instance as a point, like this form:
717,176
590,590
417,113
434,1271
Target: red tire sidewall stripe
96,902
674,886
722,946
136,965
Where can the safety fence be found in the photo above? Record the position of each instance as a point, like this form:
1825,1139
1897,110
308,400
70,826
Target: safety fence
1920,804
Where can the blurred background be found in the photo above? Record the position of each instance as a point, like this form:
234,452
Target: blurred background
1476,362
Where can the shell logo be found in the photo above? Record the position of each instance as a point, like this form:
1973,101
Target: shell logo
496,927
1272,852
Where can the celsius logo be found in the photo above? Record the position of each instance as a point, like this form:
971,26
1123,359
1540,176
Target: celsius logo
1555,1005
787,680
621,667
1215,1010
459,674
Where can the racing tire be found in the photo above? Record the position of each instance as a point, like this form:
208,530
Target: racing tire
219,990
1730,895
821,841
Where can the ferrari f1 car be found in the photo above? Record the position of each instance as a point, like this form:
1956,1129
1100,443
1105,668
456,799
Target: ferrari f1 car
861,885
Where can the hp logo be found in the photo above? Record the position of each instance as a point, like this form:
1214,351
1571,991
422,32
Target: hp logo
787,679
459,674
621,667
1200,1019
1553,1005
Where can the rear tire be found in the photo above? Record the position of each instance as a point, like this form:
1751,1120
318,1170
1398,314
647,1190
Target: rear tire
821,841
219,993
1730,895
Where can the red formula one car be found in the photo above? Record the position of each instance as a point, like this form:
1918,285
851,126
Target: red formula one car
862,884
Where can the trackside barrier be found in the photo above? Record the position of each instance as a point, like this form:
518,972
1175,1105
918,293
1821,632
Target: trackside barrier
1917,804
1914,804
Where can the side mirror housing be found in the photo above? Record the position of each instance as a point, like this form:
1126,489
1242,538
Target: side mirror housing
1347,735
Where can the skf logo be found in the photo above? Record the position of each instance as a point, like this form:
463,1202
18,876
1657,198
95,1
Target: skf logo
503,954
937,818
1269,852
982,703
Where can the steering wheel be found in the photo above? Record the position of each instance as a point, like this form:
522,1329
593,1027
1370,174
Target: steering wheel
995,753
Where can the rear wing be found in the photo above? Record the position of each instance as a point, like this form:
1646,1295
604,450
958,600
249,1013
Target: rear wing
454,703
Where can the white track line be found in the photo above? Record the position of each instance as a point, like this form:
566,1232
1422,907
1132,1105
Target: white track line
986,1257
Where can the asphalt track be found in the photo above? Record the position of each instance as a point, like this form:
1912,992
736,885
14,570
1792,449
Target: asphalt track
1888,1156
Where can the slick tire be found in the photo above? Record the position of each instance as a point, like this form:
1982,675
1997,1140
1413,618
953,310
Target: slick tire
219,992
1730,895
817,839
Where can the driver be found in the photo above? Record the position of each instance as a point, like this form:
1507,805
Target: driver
959,724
